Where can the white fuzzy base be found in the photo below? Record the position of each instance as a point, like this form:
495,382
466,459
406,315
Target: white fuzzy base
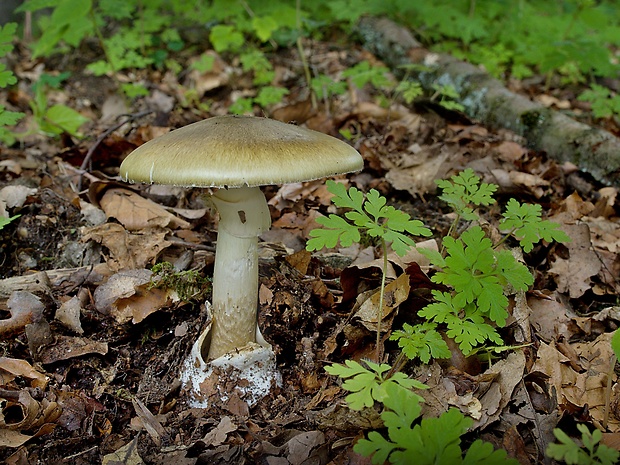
250,372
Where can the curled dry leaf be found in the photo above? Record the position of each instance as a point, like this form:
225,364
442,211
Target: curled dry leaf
126,296
11,368
586,388
33,416
25,308
396,293
507,374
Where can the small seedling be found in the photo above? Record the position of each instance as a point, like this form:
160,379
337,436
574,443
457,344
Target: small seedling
480,273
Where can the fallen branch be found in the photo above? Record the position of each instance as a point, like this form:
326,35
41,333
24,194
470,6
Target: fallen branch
485,99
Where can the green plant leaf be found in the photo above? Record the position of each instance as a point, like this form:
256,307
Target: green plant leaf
264,27
482,453
364,73
370,214
7,34
225,38
270,95
464,190
61,118
4,220
421,341
615,343
69,22
369,385
591,453
336,229
525,223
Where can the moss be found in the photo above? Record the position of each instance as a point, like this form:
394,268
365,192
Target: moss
189,285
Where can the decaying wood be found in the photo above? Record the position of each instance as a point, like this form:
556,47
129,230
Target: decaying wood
485,99
42,281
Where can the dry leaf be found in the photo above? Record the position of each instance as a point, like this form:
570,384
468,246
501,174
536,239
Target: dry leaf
66,347
127,251
10,368
580,389
135,212
573,275
550,319
25,308
69,314
219,434
126,455
127,296
396,293
149,422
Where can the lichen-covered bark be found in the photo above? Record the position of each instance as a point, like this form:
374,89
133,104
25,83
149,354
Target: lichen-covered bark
485,99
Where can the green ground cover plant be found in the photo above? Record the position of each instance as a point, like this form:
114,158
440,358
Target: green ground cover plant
478,273
592,452
569,39
54,120
7,78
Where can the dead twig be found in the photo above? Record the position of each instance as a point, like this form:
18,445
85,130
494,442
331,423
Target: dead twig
102,136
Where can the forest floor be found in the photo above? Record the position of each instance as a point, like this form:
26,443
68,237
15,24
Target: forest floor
91,355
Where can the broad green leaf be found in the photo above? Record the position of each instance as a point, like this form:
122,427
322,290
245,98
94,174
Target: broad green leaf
61,118
482,453
225,38
264,26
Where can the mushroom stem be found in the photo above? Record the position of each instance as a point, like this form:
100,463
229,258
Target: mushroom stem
244,215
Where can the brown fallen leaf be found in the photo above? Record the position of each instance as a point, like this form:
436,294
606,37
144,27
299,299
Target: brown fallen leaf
69,312
34,416
396,292
499,394
587,388
135,212
24,307
550,318
10,368
66,347
127,250
127,296
573,274
126,455
219,434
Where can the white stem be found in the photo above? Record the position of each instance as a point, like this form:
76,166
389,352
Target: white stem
244,215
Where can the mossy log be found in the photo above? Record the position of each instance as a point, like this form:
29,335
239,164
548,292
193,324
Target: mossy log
486,100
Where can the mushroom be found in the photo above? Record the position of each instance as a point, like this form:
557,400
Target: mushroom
237,154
